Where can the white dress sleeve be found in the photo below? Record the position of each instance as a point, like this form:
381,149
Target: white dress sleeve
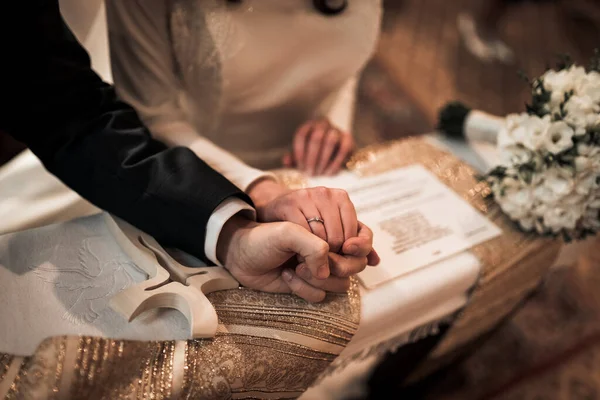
341,111
144,75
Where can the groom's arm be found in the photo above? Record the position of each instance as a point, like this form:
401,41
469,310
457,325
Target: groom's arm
53,102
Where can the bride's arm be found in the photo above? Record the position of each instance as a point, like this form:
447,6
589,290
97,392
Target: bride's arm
341,111
144,76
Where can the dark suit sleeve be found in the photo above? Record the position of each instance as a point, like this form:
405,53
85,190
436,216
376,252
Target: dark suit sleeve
72,120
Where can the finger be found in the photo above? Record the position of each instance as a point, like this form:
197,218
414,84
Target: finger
315,142
300,143
342,154
309,209
291,238
296,216
328,208
302,289
346,266
329,144
286,160
347,214
373,258
332,284
362,244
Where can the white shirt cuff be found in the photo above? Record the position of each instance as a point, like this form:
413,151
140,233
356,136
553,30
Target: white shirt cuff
217,220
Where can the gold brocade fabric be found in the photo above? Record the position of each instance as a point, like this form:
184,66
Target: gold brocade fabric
267,346
275,346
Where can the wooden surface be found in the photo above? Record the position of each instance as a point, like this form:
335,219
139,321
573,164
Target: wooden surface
422,52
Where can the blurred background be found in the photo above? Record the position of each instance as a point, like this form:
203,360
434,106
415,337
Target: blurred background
423,60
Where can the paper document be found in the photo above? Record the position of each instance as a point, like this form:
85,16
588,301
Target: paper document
416,219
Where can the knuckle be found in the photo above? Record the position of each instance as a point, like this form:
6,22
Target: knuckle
285,227
301,194
321,249
341,194
322,191
291,201
344,272
322,123
317,135
332,138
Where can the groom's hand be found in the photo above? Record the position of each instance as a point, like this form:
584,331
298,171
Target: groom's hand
271,257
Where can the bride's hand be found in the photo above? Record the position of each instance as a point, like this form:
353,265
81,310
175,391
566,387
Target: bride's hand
331,206
319,148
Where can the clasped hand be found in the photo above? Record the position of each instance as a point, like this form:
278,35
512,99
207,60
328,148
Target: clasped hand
287,254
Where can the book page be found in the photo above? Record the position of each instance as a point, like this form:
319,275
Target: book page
416,219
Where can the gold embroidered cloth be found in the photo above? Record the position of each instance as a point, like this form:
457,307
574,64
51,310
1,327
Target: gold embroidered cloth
267,346
275,346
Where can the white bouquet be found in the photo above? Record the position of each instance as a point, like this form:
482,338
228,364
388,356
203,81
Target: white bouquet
548,179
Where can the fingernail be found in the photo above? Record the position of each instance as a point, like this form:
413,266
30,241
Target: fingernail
304,272
287,275
352,249
323,272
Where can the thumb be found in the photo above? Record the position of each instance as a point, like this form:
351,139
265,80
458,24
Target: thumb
294,239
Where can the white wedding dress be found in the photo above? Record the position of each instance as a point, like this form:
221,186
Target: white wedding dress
234,80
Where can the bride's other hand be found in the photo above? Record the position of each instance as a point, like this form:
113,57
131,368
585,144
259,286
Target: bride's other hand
331,206
319,148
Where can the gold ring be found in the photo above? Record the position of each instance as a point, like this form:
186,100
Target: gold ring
316,219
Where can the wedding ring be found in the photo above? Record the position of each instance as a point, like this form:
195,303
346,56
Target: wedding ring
316,219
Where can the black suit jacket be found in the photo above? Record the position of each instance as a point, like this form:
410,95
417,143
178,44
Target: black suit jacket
52,101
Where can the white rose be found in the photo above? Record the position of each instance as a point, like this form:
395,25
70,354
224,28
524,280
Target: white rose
588,150
596,162
515,155
536,132
581,112
589,86
561,82
511,183
595,204
530,131
511,134
582,163
559,137
558,218
582,103
557,81
555,183
586,183
516,202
